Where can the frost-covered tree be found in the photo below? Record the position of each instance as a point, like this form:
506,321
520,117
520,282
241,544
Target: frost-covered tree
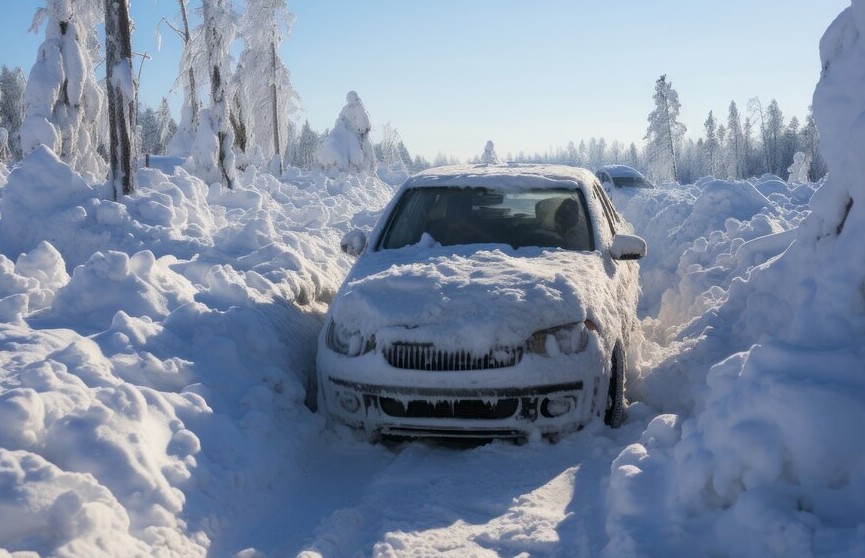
212,153
156,128
489,157
12,84
166,127
774,137
710,145
307,146
389,151
192,61
664,132
633,155
120,89
810,140
616,150
771,125
790,141
347,148
62,100
734,143
262,83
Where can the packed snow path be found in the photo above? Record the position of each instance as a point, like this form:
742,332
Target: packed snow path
439,499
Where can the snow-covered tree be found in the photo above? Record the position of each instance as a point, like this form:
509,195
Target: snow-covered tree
811,144
62,100
771,125
734,141
262,83
664,131
798,171
489,156
774,136
307,146
12,84
790,141
391,151
212,153
633,155
192,61
166,127
347,148
710,145
156,128
120,89
5,153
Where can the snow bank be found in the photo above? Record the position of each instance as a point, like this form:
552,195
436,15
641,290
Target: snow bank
156,346
773,458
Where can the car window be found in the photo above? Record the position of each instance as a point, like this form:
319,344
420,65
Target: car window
552,218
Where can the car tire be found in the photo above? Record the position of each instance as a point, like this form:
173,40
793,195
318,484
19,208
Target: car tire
614,412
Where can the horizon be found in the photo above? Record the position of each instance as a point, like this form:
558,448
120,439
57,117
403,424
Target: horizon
510,73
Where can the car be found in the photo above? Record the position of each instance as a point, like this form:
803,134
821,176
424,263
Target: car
489,301
613,177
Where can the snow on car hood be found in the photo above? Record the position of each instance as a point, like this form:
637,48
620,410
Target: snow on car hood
473,299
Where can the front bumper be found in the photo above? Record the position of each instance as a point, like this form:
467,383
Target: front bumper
366,393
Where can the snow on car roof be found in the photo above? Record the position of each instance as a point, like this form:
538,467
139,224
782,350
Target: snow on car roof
620,170
507,176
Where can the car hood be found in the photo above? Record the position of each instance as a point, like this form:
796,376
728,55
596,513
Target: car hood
471,298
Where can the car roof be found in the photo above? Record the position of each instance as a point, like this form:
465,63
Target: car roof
507,176
620,170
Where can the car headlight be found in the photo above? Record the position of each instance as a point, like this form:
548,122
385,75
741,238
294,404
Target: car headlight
345,342
565,339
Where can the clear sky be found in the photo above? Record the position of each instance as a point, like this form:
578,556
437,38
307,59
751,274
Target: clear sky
528,74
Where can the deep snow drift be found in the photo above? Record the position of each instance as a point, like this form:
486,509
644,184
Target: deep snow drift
156,353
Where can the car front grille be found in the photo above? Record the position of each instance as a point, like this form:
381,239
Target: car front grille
460,409
425,356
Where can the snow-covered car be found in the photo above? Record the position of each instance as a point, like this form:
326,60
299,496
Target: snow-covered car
488,301
621,176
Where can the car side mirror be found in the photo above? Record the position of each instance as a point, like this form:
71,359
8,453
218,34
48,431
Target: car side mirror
353,242
628,247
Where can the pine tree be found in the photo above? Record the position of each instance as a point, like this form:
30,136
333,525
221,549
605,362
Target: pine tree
633,155
774,136
734,142
307,144
810,141
166,127
665,132
710,146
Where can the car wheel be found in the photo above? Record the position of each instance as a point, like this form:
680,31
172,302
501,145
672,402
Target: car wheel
615,409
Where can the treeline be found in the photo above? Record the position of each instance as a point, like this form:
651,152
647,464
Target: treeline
762,141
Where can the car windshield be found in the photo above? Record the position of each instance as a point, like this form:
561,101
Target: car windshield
554,218
631,182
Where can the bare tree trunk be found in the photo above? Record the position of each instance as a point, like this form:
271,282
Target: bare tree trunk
275,101
121,104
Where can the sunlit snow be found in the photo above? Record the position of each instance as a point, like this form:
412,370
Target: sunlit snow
158,352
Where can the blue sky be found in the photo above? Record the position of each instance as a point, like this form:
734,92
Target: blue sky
451,74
